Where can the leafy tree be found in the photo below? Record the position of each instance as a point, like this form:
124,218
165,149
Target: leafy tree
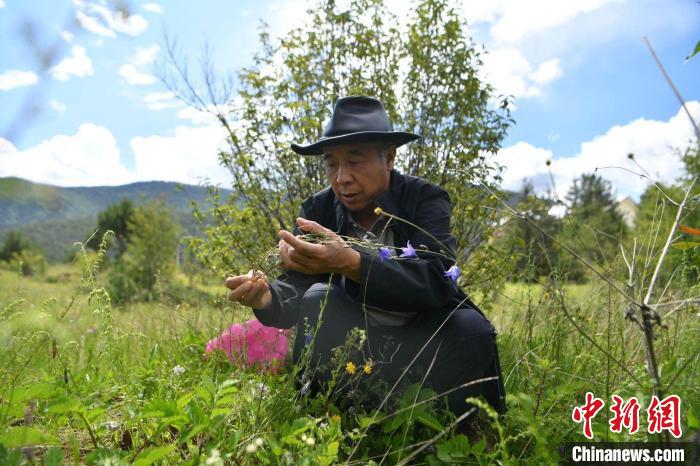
593,226
18,249
426,75
536,253
150,256
15,242
115,217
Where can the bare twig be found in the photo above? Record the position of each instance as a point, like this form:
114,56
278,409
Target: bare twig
673,86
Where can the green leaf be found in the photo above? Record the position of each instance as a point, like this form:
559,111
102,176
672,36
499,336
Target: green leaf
693,420
683,245
68,406
429,420
151,455
53,457
694,52
22,436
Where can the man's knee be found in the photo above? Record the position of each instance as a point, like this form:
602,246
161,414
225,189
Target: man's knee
468,323
324,297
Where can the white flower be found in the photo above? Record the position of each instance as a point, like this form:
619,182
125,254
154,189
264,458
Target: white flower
258,442
251,448
214,458
310,441
178,370
112,425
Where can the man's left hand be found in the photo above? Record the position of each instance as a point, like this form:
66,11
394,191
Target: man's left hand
334,256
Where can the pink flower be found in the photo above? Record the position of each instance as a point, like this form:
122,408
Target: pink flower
252,343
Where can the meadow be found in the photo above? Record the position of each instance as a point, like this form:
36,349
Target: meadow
86,381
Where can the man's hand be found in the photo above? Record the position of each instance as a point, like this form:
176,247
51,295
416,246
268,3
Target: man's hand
332,257
249,291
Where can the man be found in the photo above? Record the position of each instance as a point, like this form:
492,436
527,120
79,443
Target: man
404,295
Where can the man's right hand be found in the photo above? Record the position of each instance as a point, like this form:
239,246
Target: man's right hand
250,292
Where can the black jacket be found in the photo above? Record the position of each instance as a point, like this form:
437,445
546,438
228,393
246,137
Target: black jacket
415,285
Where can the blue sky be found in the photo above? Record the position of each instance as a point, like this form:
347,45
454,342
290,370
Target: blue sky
587,91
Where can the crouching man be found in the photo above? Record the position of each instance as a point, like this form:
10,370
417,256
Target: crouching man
402,292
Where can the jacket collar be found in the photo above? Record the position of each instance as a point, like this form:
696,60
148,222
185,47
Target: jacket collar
387,201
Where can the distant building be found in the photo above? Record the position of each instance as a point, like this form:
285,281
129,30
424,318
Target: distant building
629,210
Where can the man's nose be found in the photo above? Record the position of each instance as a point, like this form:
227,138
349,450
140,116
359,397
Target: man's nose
343,176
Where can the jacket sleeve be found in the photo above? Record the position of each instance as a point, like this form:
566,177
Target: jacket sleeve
414,284
288,289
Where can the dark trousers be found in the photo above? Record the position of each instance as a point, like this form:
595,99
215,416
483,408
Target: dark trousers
462,348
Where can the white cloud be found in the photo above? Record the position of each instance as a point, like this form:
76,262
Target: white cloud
161,101
89,157
76,64
132,72
153,8
652,142
511,20
60,107
188,155
135,77
195,116
510,73
547,71
11,79
93,25
100,20
145,55
67,36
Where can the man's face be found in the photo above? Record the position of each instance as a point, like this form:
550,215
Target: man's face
357,174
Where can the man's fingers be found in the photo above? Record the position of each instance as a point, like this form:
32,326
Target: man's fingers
252,299
311,226
238,293
235,281
300,245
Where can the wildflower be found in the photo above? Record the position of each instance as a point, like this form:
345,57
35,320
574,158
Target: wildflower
112,425
308,440
384,253
307,339
367,368
178,370
251,448
335,418
214,459
408,251
350,367
453,273
258,442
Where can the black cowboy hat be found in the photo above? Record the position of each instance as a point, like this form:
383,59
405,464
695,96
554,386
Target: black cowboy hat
357,119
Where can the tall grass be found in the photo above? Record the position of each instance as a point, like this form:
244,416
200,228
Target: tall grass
83,381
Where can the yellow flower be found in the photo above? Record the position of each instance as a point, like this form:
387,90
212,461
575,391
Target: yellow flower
335,418
350,368
367,368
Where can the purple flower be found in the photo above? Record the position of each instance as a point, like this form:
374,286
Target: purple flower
408,251
453,273
384,254
307,339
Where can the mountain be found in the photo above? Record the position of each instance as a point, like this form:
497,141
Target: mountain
55,217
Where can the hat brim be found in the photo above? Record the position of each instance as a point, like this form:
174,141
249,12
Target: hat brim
398,138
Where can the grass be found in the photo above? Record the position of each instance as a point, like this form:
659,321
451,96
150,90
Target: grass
89,382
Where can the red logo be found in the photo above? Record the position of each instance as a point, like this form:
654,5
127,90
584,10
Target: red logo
587,412
665,415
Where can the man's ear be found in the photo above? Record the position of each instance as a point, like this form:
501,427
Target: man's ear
390,156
